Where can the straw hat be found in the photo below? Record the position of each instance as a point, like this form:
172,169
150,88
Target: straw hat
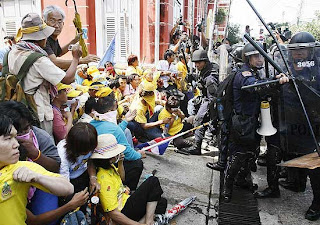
107,148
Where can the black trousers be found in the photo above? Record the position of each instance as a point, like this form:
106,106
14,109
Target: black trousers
133,170
149,191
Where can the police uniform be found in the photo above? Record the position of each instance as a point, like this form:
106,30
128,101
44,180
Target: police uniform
207,80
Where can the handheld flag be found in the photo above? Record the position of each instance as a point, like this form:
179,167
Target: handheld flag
109,53
158,149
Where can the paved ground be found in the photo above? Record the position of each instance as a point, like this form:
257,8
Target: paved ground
182,176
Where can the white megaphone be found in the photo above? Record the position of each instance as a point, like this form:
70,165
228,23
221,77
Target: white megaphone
266,128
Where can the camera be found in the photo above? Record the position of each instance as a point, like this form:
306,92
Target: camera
180,22
199,25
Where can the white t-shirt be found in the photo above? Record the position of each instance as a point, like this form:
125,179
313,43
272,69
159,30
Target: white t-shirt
68,169
163,65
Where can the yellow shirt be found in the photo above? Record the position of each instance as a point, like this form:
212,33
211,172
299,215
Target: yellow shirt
181,83
141,110
130,70
14,194
112,193
177,124
87,82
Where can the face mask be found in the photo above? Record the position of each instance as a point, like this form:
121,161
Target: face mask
108,116
27,137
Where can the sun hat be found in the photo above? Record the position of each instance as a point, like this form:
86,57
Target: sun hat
107,148
33,28
93,71
72,93
62,86
103,92
148,86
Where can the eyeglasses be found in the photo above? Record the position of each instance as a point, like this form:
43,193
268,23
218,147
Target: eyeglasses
54,22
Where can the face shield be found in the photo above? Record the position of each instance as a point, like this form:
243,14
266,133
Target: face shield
301,55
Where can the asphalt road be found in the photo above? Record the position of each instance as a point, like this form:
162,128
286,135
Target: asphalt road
182,176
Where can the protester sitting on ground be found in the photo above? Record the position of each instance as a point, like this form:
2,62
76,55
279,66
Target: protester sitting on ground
35,145
167,67
105,121
18,176
87,116
62,120
133,83
54,16
146,123
43,74
114,85
92,71
133,66
137,208
109,70
77,200
176,123
123,83
75,152
94,88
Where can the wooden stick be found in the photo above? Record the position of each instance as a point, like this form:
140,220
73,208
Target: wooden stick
174,137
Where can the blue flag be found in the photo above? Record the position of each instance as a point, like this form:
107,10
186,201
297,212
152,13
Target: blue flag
109,53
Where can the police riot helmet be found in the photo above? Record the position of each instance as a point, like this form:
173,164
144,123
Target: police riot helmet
236,53
249,50
301,49
200,55
302,40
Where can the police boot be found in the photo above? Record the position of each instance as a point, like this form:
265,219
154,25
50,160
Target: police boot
272,191
262,159
232,169
221,164
194,149
223,152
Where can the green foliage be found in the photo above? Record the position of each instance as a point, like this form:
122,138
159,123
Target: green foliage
234,33
221,15
312,27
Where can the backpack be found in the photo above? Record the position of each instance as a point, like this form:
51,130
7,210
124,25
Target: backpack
225,94
11,85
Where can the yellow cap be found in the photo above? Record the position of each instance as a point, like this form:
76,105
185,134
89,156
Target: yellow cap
148,86
96,87
104,92
73,93
62,86
265,105
93,71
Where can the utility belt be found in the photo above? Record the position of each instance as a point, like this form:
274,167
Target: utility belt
243,129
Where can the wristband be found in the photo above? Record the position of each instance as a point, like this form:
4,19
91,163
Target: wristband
39,154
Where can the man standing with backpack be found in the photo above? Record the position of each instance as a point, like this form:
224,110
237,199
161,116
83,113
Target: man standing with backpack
30,63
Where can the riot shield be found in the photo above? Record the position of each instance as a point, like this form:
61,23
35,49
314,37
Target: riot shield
295,135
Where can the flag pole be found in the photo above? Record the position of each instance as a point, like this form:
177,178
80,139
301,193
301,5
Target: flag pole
174,137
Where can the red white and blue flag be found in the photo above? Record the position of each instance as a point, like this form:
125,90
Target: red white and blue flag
159,150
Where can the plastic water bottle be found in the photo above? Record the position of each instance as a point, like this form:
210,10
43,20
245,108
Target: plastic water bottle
220,109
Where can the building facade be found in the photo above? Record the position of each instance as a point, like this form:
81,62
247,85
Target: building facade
138,25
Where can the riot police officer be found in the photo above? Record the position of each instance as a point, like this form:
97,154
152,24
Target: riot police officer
244,141
304,65
207,81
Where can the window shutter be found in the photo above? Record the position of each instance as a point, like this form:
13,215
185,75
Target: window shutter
11,28
124,37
